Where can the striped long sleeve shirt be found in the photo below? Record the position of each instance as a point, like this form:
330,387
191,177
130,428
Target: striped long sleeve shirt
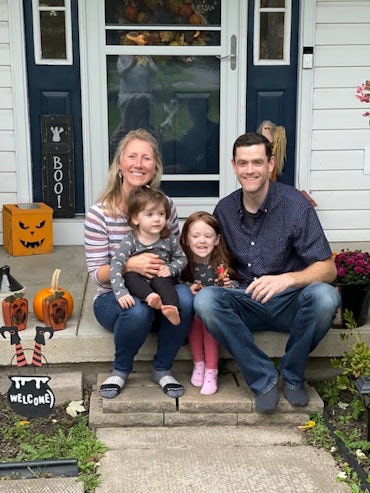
102,236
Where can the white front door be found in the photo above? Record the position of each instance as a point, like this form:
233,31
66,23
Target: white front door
182,74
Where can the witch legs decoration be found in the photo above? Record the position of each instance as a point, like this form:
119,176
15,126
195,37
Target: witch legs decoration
15,340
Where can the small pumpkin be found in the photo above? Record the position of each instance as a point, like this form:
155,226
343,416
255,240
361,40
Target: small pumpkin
15,311
195,19
51,291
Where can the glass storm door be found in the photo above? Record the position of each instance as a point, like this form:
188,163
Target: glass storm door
172,67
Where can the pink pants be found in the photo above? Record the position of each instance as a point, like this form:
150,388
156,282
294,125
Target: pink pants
203,345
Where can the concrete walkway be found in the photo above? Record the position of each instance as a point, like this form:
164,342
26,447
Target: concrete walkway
269,459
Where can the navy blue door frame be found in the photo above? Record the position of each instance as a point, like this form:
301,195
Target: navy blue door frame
272,91
54,90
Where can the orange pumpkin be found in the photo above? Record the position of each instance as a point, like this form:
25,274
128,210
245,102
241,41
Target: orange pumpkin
195,19
51,291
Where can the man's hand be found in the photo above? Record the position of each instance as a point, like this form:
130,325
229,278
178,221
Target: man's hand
265,287
146,264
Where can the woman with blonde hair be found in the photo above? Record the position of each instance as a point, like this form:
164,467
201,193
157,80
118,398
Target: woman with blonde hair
136,163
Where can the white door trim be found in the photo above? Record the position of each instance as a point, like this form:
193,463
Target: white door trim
307,30
22,139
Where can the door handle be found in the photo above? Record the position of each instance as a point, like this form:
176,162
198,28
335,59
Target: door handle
233,52
232,55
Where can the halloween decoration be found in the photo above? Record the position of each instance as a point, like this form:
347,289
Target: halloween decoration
15,310
53,305
275,134
40,341
15,340
31,396
27,228
8,283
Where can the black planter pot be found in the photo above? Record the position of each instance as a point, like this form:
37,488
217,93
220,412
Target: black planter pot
356,298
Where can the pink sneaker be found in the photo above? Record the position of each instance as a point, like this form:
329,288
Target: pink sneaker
210,382
197,377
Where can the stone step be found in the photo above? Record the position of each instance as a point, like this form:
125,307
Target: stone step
142,403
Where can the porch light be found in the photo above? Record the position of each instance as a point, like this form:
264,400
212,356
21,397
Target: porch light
362,385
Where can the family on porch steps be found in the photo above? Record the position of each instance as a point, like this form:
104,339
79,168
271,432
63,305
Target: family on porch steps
275,248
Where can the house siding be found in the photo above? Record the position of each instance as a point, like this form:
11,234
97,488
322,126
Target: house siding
7,144
339,143
339,174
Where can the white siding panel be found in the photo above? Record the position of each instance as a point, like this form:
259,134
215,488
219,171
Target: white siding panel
341,180
340,77
340,139
4,54
8,182
345,220
6,100
8,198
339,118
338,98
6,120
337,160
3,10
342,56
7,161
339,34
339,200
6,141
347,236
4,32
343,12
5,76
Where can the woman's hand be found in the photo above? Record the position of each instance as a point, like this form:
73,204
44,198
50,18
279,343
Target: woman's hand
145,264
126,301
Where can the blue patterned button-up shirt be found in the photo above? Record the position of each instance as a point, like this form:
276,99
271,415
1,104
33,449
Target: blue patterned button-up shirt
285,235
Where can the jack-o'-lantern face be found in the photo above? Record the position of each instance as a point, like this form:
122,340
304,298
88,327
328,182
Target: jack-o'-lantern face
58,311
19,311
15,311
31,235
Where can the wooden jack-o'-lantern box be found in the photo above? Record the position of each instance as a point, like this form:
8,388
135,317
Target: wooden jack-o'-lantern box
28,229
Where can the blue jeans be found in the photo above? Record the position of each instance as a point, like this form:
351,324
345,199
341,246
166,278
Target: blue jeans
232,316
131,328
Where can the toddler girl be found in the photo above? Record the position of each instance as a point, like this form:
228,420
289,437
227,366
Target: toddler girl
209,263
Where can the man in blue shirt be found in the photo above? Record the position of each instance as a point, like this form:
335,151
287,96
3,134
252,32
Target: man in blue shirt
285,262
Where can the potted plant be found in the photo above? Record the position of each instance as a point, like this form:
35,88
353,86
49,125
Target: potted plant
353,283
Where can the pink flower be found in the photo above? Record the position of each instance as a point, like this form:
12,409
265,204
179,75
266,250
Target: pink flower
363,94
353,267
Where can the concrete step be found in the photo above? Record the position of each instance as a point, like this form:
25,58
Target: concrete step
142,403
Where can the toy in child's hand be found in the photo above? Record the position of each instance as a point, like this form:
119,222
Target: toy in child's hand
222,272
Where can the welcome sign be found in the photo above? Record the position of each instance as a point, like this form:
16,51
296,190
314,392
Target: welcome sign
31,396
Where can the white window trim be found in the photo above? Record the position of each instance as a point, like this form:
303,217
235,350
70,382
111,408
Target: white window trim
287,33
36,9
